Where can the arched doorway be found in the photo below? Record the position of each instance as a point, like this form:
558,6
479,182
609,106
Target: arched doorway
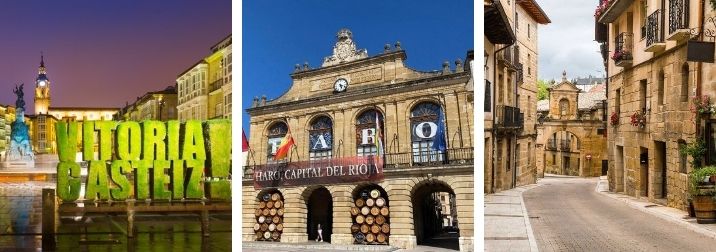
435,215
320,211
370,212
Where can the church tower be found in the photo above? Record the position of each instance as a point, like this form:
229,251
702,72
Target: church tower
42,89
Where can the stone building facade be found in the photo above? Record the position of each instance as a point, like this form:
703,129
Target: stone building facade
571,130
511,89
200,88
158,105
644,45
340,103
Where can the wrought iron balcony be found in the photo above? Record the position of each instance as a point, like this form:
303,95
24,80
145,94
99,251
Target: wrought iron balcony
678,20
216,85
565,145
520,73
551,144
609,10
509,117
454,156
655,33
509,57
623,45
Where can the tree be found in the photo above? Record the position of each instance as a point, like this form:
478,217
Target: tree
542,93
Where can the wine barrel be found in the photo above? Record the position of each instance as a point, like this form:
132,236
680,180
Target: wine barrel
375,229
267,197
272,227
370,238
275,236
364,228
276,219
360,202
277,204
273,211
360,237
269,204
268,220
380,219
355,228
262,219
385,228
264,227
279,227
354,211
360,219
369,220
259,235
262,205
384,211
258,212
365,210
275,197
279,212
380,202
265,212
257,227
375,211
369,202
381,238
375,193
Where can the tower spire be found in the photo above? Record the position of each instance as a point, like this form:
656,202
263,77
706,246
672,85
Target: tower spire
42,59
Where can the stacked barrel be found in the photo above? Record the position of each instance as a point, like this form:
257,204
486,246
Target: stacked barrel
269,217
370,214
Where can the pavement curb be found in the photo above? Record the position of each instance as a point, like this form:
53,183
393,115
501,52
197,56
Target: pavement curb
525,215
626,199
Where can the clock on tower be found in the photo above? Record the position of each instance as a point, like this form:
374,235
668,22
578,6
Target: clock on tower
42,89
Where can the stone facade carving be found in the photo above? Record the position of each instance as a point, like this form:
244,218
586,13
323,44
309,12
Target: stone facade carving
344,50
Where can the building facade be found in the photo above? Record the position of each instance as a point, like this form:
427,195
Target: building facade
644,46
511,89
201,87
342,111
571,130
157,105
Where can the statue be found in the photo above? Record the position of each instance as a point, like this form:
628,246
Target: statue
20,151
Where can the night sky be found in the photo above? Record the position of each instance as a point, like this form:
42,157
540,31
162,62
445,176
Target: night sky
278,34
104,53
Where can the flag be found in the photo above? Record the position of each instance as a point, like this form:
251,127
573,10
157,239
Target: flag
245,142
284,147
439,143
378,137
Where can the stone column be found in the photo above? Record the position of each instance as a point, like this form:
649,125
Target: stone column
248,207
294,217
342,219
465,204
402,233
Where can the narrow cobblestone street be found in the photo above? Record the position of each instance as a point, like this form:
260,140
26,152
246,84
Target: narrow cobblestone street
567,214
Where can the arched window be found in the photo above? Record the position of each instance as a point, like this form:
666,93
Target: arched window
366,134
320,134
424,128
685,82
275,134
564,107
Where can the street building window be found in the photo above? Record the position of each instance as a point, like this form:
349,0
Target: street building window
320,144
488,96
366,135
275,134
424,120
685,82
661,79
564,107
642,94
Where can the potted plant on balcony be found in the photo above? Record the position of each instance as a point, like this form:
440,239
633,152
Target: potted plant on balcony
701,105
638,119
701,190
601,8
614,119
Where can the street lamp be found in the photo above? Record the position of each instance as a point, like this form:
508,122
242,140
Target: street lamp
161,104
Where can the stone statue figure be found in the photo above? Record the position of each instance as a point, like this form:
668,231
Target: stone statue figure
20,150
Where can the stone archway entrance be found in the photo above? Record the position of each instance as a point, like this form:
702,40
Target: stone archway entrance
435,215
319,211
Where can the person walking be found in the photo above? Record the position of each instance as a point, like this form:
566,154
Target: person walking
320,234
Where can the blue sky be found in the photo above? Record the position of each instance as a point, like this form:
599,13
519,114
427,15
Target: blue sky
279,34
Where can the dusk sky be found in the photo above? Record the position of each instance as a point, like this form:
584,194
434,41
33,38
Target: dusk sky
104,53
279,34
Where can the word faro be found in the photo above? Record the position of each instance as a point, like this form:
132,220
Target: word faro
182,160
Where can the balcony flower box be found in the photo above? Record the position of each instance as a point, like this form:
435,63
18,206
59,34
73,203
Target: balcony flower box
614,119
638,119
622,58
701,105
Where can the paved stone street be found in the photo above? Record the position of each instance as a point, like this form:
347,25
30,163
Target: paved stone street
568,214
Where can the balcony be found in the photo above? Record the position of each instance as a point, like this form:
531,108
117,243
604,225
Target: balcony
565,145
551,144
623,45
520,73
456,156
216,85
678,20
609,10
509,57
509,117
654,33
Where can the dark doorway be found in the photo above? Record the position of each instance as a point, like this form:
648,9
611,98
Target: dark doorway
660,164
605,167
435,216
320,211
644,164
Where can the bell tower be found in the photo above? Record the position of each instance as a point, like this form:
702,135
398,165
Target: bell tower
42,89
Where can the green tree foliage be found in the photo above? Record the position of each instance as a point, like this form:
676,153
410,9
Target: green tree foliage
542,93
